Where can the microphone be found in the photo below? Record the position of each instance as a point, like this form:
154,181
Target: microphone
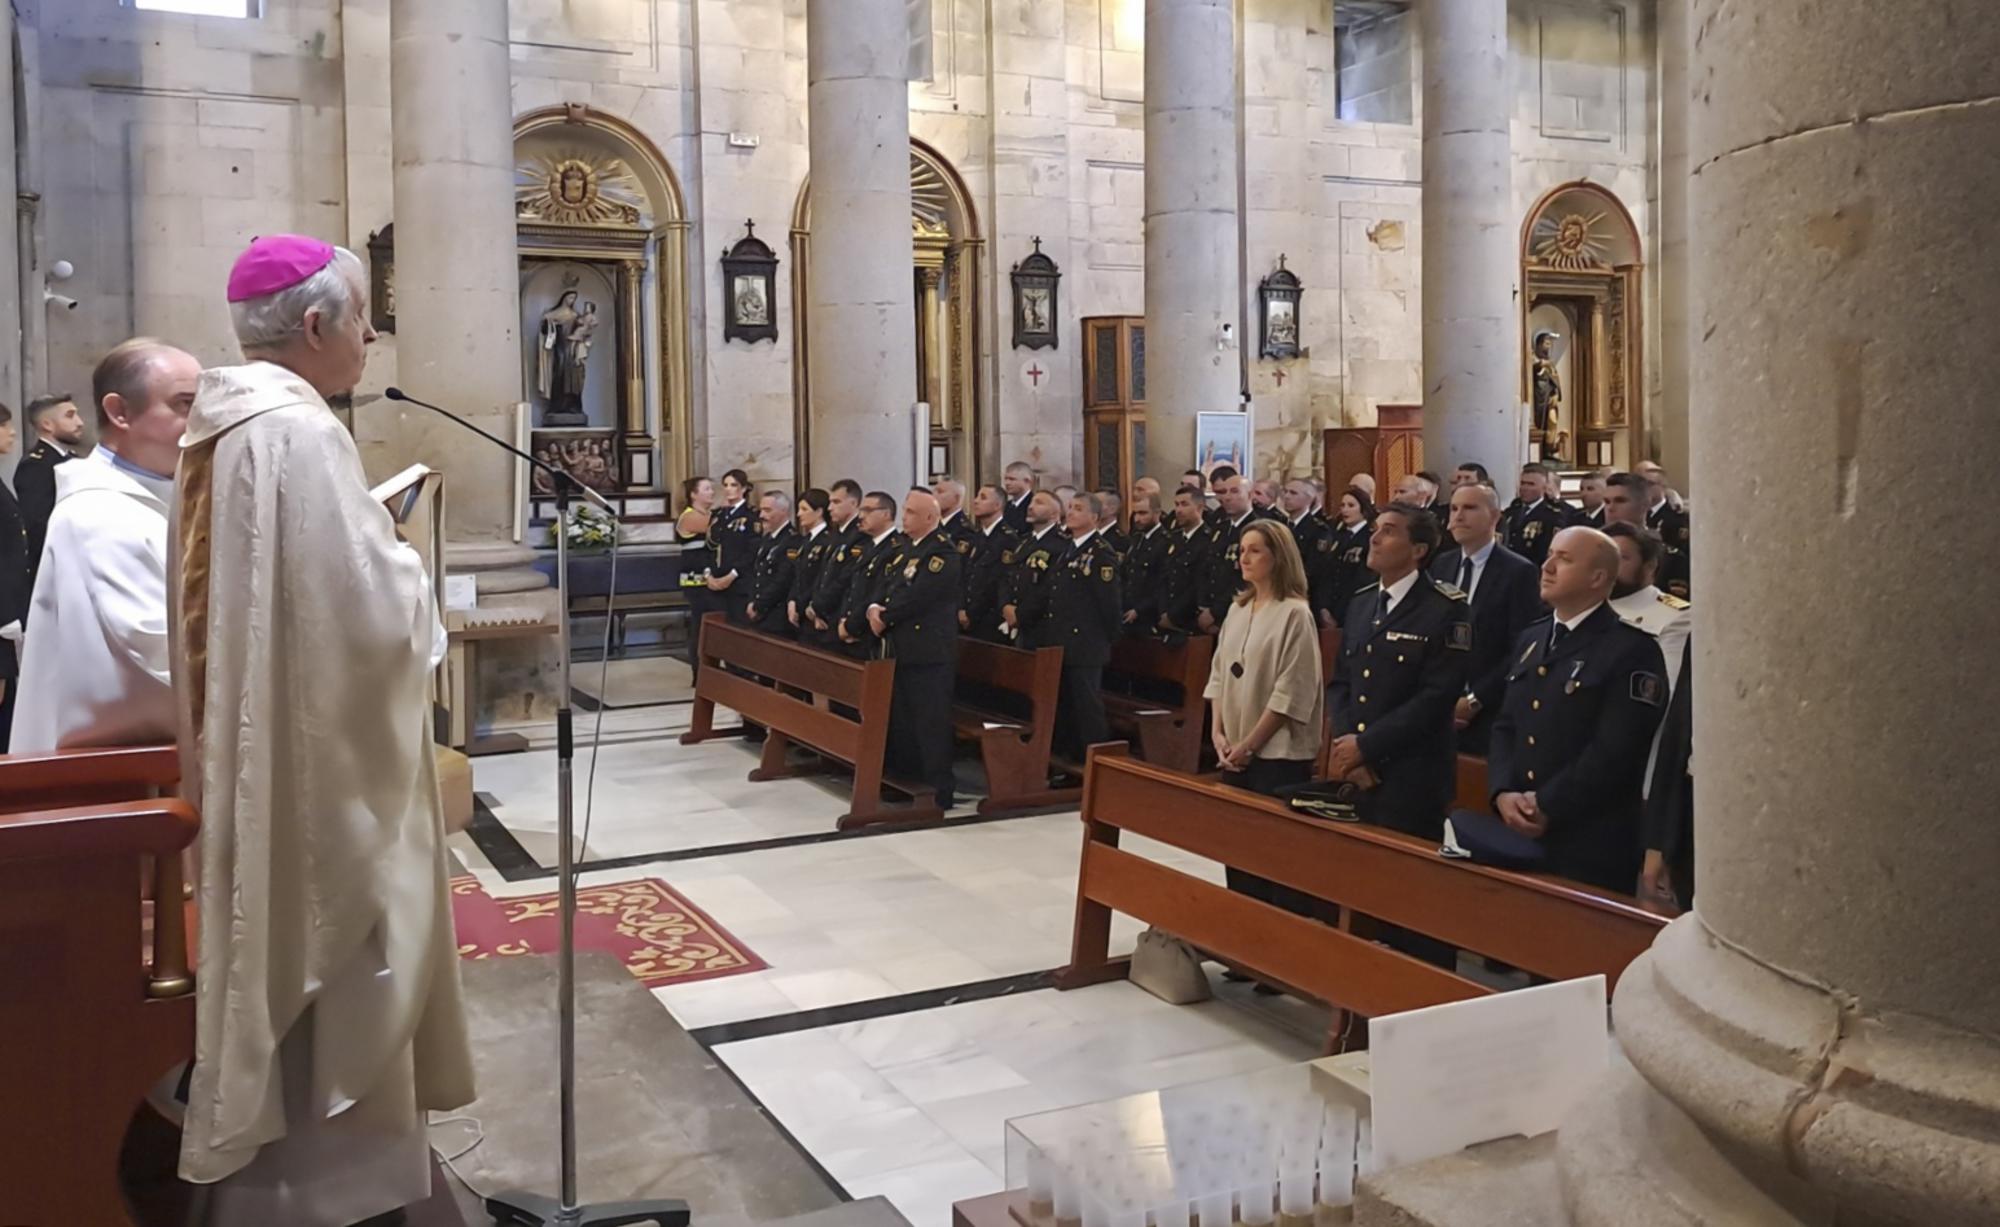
564,481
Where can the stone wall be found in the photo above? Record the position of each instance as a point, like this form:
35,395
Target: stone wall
171,140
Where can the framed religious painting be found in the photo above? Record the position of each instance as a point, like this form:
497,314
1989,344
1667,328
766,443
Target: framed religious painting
749,289
1278,313
1035,304
1222,438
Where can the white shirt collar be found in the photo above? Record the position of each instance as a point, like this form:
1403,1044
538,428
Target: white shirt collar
1044,530
1400,589
817,529
1187,534
1243,519
1655,508
885,532
920,540
60,446
1531,506
987,529
1578,620
1086,536
1017,502
1480,555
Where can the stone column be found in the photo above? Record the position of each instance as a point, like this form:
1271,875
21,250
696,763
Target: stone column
1829,1014
862,310
1669,423
1472,331
1193,261
457,277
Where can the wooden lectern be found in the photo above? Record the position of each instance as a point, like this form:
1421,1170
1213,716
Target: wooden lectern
1391,450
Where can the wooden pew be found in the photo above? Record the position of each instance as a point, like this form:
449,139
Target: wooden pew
1014,748
1167,732
87,1023
1472,793
1543,925
799,708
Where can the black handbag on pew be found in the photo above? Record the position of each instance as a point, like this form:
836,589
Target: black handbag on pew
1486,839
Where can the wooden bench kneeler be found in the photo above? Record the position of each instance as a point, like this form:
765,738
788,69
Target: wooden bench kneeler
798,707
1014,749
87,1026
1169,733
1543,925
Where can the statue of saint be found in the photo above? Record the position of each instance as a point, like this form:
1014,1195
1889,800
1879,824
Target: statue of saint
1548,392
552,353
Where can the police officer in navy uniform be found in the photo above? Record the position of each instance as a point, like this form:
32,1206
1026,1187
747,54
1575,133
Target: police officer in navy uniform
953,522
1308,526
58,431
1184,569
17,578
983,566
732,535
1107,526
1018,487
1535,516
1082,614
1402,667
917,620
771,574
1585,694
815,546
819,614
1145,560
1338,567
1222,578
1669,519
882,553
1024,582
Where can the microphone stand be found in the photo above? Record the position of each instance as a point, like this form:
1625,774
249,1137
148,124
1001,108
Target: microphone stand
522,1209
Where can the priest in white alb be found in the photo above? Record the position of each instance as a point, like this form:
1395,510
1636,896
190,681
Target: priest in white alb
328,1016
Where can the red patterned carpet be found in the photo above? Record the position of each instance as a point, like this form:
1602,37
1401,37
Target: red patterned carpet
660,937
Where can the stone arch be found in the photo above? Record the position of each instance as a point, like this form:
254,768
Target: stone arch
946,239
1582,276
645,224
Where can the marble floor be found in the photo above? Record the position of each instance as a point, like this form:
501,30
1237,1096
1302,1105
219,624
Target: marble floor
901,1020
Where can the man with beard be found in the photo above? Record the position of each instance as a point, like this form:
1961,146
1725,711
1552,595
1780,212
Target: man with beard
1145,555
771,571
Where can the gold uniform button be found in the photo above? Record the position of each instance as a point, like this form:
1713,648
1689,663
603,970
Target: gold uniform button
1534,705
1362,727
1364,698
1531,777
1531,739
1542,672
1371,649
1399,658
1367,673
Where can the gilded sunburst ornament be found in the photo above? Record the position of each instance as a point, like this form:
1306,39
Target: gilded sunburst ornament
577,189
1570,241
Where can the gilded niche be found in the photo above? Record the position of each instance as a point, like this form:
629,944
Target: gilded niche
577,189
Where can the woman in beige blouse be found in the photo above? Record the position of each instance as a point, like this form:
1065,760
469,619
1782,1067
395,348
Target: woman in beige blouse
1264,688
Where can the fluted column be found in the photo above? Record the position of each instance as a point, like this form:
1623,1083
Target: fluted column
862,310
1829,1012
1193,265
1472,335
457,276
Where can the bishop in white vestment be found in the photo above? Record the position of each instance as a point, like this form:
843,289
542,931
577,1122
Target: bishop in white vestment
328,1015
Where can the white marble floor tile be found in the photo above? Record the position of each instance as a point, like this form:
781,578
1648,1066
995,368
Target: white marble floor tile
861,1147
818,989
924,1193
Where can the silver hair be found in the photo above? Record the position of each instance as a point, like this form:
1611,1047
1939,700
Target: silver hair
954,485
269,322
1095,502
783,500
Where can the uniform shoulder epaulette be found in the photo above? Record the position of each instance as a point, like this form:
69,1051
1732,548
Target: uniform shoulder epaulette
1673,602
1449,589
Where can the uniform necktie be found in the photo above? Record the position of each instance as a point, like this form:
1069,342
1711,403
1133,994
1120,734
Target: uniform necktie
1465,576
1556,639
